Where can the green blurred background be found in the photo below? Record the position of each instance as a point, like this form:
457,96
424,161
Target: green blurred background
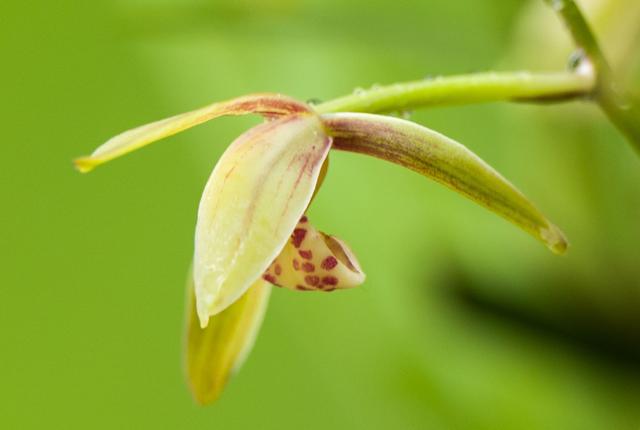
464,321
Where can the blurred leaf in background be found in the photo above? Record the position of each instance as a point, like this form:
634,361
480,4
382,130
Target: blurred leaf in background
464,322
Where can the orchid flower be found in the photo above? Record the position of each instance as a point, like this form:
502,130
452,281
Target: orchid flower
252,231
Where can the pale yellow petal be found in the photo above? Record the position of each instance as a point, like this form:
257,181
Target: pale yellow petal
444,160
314,261
270,105
216,353
255,196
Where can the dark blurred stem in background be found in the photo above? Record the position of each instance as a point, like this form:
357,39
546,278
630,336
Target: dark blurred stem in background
620,106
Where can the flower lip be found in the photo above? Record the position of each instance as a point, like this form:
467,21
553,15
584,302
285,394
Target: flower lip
314,261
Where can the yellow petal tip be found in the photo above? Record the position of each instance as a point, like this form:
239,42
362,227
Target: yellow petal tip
84,164
555,239
205,391
204,322
203,313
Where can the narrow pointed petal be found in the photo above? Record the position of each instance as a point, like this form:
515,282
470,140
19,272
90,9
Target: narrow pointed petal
444,160
255,196
269,105
216,353
314,261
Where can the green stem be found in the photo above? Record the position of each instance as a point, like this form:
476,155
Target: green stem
621,107
464,89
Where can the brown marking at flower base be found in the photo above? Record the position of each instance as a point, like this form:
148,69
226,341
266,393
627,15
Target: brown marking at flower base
328,290
269,105
329,263
278,270
298,236
330,280
296,264
302,288
303,219
306,254
308,267
312,280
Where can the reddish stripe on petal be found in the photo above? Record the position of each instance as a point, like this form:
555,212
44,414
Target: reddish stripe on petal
306,254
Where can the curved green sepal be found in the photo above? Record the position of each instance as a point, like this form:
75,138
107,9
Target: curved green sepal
444,160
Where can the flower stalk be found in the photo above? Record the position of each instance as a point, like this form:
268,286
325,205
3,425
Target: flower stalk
465,89
622,108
